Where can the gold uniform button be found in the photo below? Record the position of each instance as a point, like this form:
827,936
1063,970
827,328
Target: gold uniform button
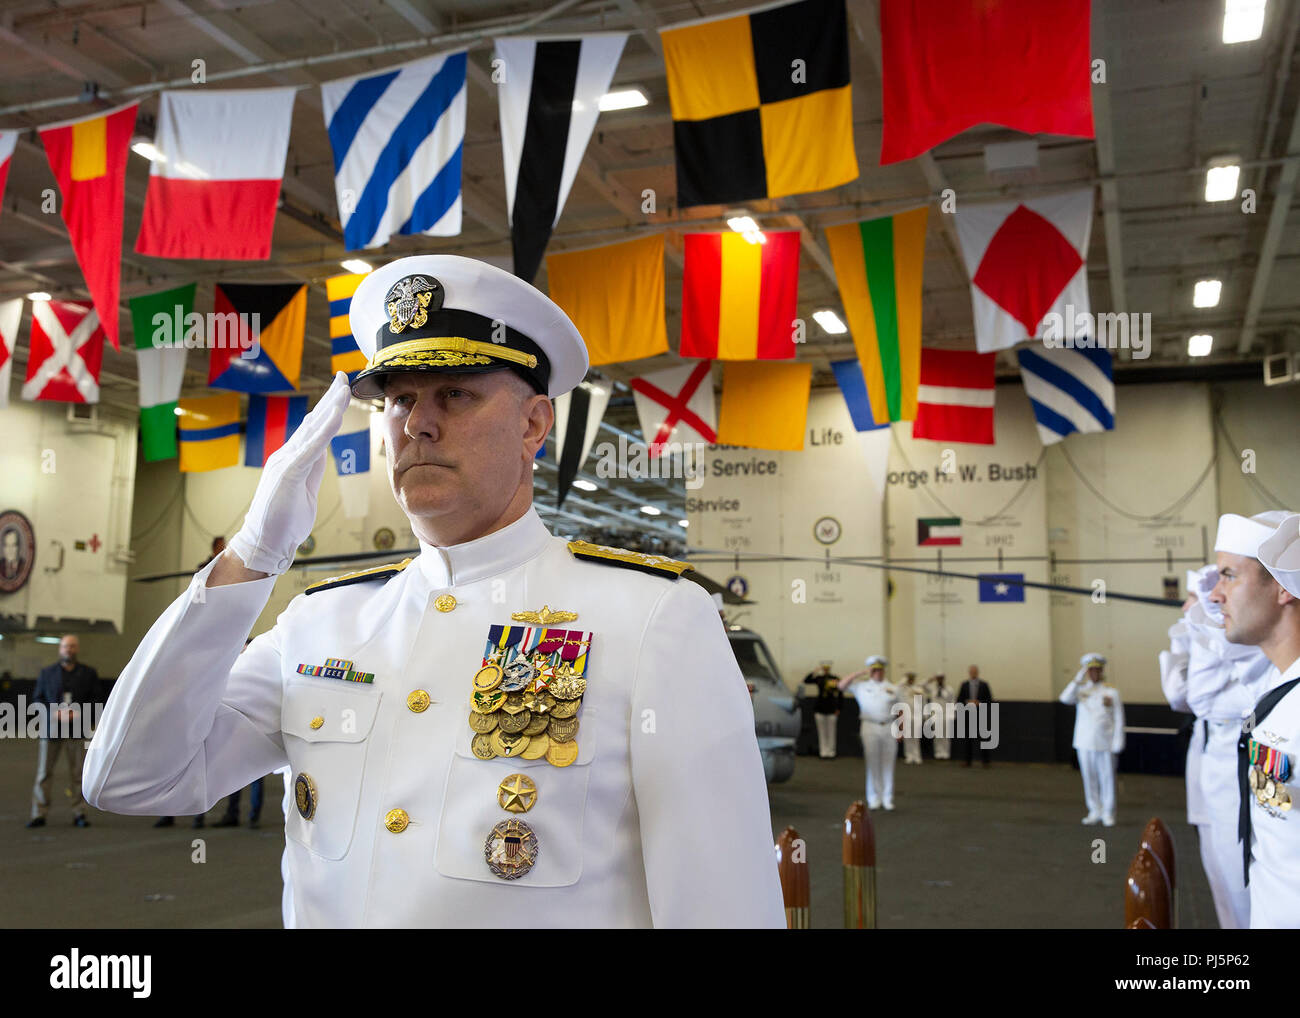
418,701
396,820
444,603
317,721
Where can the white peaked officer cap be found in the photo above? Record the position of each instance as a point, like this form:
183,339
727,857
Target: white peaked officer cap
451,314
1088,660
1242,535
874,660
1280,554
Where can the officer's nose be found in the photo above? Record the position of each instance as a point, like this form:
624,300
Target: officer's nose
1216,595
422,420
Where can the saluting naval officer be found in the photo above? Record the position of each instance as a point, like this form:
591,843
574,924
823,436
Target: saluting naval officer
504,729
1261,606
1098,735
876,699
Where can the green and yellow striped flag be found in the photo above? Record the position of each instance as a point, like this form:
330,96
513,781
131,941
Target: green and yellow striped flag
878,267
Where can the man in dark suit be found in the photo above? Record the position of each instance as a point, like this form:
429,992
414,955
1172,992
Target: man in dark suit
974,691
68,690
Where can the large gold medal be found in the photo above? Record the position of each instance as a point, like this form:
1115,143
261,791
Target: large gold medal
561,754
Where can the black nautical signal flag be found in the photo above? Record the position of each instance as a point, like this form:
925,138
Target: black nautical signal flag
549,101
255,334
762,103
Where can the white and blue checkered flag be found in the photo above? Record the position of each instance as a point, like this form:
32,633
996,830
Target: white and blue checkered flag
397,137
1071,389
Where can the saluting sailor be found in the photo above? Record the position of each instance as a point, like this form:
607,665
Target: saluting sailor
1261,606
504,726
1098,735
876,699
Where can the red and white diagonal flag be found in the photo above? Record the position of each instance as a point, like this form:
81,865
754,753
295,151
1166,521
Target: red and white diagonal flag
676,405
11,314
1027,261
67,347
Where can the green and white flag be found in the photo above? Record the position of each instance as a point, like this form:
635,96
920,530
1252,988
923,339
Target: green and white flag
158,321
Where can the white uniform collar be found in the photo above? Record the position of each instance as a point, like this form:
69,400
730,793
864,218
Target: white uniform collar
485,556
1276,678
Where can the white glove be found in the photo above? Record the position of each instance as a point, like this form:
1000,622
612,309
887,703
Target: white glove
1206,579
284,505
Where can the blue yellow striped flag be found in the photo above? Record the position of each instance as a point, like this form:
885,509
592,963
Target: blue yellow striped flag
209,432
344,353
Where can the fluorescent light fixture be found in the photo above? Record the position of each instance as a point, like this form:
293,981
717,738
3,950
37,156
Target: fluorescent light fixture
623,99
536,466
755,236
39,295
1221,181
178,411
1243,20
49,639
683,523
146,148
1199,345
743,224
582,485
357,265
650,510
830,322
1206,293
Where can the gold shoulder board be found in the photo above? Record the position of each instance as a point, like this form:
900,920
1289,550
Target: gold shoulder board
362,576
655,565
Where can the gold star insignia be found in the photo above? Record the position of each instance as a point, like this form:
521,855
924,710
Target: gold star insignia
517,794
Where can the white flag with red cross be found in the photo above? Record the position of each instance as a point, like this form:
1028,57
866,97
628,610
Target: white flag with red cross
676,406
1027,261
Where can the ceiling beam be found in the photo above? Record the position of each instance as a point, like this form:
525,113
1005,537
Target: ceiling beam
1110,214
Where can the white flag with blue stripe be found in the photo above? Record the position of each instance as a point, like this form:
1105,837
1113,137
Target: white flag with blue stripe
1071,389
397,137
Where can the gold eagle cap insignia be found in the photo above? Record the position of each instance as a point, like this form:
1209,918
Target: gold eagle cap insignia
545,617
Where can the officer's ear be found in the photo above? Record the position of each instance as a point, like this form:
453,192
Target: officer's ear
539,417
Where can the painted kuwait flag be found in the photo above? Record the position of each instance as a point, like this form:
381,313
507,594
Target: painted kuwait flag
878,268
938,530
954,402
215,183
738,298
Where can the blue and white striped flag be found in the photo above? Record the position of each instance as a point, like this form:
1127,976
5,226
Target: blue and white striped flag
397,137
1072,390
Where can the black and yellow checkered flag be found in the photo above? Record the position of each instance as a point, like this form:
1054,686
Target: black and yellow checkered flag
762,103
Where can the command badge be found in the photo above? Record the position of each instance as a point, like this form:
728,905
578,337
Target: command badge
510,849
304,795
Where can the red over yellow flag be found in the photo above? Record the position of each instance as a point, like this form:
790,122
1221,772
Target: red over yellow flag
739,299
88,159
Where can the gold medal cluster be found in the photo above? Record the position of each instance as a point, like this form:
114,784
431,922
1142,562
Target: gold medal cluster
532,723
1268,791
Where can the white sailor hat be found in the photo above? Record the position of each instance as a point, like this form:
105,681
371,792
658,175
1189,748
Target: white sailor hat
875,660
1280,554
1242,535
1088,660
451,314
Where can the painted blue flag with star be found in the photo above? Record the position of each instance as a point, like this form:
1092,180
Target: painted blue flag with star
1002,587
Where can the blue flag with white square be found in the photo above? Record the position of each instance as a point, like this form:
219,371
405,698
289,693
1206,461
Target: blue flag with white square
350,449
1002,587
397,137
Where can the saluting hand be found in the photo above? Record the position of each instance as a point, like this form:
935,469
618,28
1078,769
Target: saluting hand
284,506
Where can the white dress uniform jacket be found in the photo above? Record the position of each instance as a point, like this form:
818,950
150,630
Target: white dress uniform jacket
1099,714
662,819
1275,833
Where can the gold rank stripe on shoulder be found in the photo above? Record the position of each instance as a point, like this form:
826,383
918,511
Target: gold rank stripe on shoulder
361,576
655,565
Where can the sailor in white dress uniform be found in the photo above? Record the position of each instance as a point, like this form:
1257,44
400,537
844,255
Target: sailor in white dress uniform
876,699
1262,607
1219,682
1098,735
506,725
